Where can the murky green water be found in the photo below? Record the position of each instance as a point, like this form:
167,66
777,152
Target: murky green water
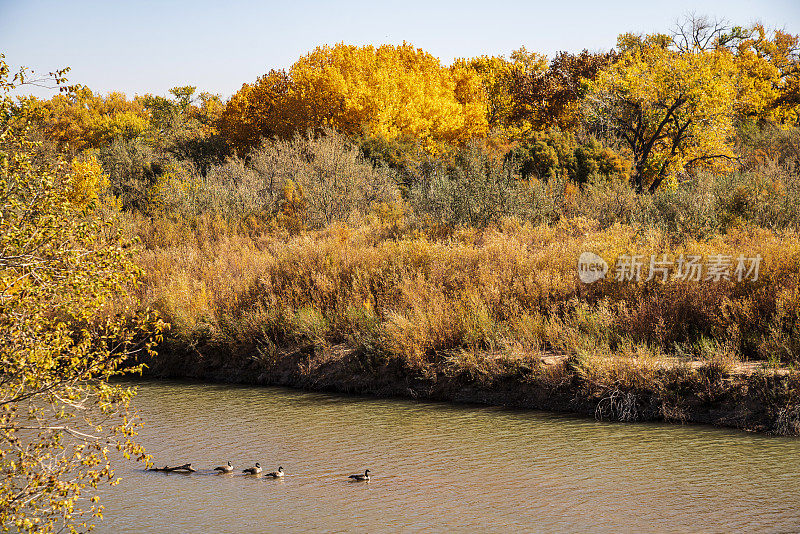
438,467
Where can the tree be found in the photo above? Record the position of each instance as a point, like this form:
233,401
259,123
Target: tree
552,97
673,109
390,92
698,32
259,110
182,129
497,76
767,75
767,64
61,263
80,119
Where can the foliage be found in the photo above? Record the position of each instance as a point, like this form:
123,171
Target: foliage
381,199
331,174
83,119
552,97
133,166
767,73
673,109
758,143
508,289
554,152
181,130
391,91
61,263
499,77
475,189
87,181
297,183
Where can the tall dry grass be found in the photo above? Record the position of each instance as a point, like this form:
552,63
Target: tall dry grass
511,290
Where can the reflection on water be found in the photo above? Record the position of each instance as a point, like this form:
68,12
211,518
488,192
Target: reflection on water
438,467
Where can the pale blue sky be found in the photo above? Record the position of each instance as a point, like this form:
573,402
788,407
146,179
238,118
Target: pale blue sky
149,46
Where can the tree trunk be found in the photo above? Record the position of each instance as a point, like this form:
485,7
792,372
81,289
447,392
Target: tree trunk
636,177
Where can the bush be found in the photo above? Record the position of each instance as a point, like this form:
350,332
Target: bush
132,167
475,189
512,288
305,182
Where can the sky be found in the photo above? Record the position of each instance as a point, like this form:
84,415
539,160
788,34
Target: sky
143,47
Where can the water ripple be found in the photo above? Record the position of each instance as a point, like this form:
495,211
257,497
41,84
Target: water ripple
439,467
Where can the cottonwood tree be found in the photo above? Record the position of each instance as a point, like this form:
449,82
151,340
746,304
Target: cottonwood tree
61,263
552,97
499,77
767,73
392,92
258,110
699,32
767,64
673,109
79,118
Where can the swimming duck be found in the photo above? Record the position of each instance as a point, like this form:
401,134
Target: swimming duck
276,474
361,478
253,470
224,468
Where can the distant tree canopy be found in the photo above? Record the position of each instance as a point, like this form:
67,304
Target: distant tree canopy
552,96
391,92
82,119
651,111
674,100
499,78
768,73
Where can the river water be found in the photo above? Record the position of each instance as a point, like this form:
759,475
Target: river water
439,468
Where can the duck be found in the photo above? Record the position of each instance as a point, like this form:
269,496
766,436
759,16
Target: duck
224,468
252,470
361,478
276,474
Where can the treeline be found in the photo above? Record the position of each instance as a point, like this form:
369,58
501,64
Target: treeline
668,143
707,110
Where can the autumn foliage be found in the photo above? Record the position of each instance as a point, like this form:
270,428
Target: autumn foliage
62,263
390,92
376,198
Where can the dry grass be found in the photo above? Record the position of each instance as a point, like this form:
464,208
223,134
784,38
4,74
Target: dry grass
512,289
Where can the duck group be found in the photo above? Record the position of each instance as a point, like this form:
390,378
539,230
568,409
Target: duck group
256,470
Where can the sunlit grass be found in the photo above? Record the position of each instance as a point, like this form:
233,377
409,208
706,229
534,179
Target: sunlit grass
511,288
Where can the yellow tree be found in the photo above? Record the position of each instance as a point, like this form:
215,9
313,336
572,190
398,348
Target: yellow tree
768,73
258,110
82,119
60,264
209,112
767,64
497,75
674,109
391,92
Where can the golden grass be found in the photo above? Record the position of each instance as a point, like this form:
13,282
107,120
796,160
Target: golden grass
512,289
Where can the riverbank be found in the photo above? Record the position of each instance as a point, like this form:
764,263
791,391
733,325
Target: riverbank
497,316
751,397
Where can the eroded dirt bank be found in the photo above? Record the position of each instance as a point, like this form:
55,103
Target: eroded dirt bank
747,397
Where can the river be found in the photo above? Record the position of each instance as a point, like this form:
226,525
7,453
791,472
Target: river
439,468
